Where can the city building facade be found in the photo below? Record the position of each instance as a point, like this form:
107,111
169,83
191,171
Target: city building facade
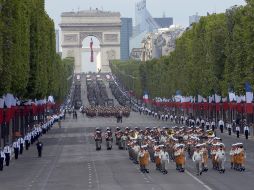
160,43
145,23
126,33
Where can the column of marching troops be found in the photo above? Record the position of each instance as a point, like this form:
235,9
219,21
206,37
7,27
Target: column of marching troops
106,111
160,145
24,142
204,123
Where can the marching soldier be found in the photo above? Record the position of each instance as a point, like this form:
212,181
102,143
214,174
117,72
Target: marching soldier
207,124
164,157
2,158
16,146
240,157
27,140
232,154
109,139
202,124
7,152
39,146
144,159
213,125
157,158
237,131
246,131
221,158
123,141
98,139
136,150
221,125
180,157
21,144
197,159
229,126
204,152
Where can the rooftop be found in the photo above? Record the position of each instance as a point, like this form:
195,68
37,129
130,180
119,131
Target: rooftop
91,13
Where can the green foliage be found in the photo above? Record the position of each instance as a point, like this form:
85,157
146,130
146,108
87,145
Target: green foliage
212,56
29,65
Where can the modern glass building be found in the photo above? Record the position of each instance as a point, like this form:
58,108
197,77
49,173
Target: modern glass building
145,23
126,33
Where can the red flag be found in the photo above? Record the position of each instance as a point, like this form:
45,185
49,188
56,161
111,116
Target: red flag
91,56
9,115
225,106
249,108
239,108
217,106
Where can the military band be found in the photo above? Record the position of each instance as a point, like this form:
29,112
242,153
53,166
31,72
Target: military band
160,145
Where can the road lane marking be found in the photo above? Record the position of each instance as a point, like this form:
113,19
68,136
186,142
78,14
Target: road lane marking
198,180
96,176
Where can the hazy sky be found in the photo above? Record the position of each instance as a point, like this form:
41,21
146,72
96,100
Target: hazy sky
180,10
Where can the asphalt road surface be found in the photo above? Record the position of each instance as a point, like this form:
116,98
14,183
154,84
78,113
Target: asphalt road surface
70,162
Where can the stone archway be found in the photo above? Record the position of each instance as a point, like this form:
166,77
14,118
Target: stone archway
105,26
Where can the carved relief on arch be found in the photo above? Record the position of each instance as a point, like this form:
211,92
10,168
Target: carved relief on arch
111,54
70,38
83,35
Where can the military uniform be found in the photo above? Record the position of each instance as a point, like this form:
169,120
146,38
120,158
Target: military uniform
157,158
144,158
7,152
197,159
2,158
164,157
16,149
220,157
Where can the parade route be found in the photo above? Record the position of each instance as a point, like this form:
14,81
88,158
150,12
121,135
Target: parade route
70,161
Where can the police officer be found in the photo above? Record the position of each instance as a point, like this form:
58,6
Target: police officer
2,158
7,152
39,145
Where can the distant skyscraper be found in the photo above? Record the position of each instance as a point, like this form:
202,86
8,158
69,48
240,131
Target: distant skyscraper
57,41
194,19
126,33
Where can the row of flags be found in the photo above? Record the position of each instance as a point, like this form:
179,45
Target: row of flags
13,104
242,103
232,97
9,100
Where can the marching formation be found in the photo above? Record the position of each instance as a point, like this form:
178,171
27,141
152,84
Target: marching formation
237,126
24,142
160,145
107,111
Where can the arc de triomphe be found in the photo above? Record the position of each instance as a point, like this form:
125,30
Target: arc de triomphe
105,26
